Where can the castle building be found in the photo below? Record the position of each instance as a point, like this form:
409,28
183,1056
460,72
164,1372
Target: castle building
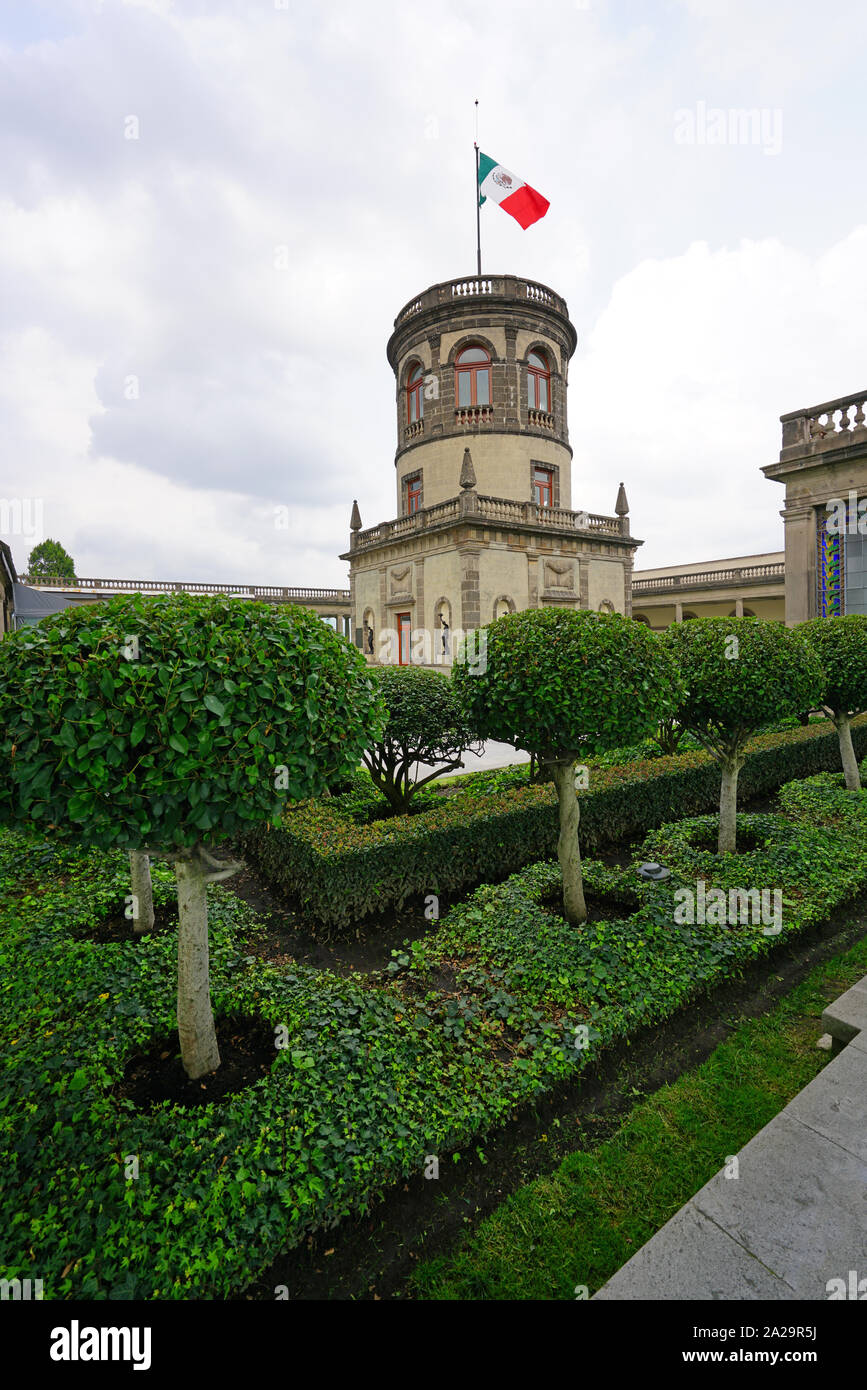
823,467
485,523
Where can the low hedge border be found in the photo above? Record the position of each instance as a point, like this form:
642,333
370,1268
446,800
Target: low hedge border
379,1073
339,871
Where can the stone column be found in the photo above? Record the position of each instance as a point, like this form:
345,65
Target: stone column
470,597
678,611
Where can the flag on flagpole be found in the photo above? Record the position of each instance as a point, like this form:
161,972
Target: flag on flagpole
512,193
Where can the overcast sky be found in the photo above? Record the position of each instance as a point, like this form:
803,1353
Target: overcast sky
212,210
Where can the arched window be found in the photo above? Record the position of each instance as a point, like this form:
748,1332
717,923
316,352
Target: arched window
414,398
640,618
538,382
473,377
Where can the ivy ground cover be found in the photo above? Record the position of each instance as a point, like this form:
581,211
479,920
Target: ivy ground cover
101,1200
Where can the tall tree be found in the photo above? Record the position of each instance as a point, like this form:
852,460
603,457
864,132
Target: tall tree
841,646
739,675
562,685
49,560
162,725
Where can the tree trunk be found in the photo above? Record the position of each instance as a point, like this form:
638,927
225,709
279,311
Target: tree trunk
728,805
568,851
847,752
198,1036
142,890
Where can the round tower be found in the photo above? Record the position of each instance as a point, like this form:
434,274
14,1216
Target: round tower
488,358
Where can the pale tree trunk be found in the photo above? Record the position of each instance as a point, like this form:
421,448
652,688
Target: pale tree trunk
847,752
196,1030
568,851
142,891
728,804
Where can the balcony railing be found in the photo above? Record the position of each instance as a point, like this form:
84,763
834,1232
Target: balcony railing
540,419
743,574
494,510
475,286
474,414
832,425
160,586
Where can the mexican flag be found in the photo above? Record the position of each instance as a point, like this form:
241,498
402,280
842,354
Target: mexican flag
513,194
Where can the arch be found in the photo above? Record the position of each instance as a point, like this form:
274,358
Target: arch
472,340
640,618
414,391
538,372
503,604
368,632
443,629
747,613
688,617
473,383
606,606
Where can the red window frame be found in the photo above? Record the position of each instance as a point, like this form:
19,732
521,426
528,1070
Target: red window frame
538,383
474,372
404,630
414,397
543,486
413,495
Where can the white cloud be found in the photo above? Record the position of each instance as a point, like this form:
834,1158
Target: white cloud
712,290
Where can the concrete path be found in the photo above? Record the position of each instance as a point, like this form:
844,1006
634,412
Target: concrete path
493,755
795,1217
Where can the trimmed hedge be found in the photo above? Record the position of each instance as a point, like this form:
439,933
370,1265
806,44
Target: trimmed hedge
380,1072
339,871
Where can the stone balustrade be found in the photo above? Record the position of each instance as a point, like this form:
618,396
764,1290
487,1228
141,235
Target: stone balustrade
474,414
540,419
744,574
491,510
159,586
832,425
475,286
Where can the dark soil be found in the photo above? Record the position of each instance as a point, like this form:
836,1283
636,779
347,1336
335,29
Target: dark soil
153,1077
118,927
372,1256
600,908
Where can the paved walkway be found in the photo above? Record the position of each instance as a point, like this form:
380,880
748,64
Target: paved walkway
795,1218
493,755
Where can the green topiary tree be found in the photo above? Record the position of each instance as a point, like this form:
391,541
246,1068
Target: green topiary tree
158,725
739,674
425,724
563,684
841,646
49,560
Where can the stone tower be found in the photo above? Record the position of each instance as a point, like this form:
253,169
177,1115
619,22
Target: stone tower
483,482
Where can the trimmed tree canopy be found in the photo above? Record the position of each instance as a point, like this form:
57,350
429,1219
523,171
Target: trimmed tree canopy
160,720
841,646
425,724
561,683
160,723
739,674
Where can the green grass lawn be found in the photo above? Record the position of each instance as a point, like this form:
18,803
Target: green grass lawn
578,1225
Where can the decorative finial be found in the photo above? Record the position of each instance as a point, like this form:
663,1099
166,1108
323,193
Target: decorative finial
355,520
622,506
468,473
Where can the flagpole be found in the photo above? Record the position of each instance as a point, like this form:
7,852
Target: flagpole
478,202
